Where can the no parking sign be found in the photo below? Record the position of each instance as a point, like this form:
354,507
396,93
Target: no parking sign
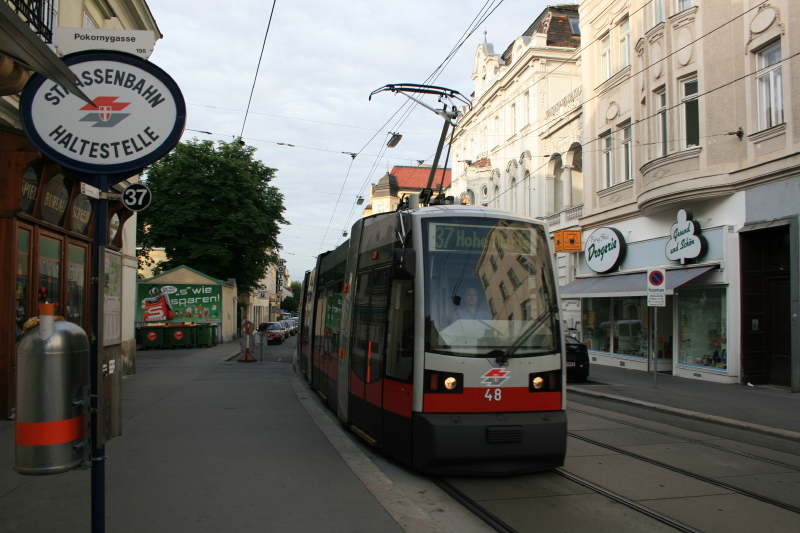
656,287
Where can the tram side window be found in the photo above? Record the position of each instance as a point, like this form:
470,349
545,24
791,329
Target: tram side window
400,349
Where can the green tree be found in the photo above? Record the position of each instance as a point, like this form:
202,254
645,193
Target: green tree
290,304
297,288
213,210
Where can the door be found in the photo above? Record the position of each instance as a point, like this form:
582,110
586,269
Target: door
368,352
778,328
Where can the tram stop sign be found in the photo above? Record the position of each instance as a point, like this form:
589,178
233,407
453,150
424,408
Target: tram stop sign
136,197
656,287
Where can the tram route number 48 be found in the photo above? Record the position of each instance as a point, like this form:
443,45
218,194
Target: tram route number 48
494,395
136,197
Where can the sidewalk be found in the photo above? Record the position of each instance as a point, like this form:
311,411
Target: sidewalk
765,409
208,444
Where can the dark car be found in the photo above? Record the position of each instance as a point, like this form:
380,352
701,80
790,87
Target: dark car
274,331
577,360
289,325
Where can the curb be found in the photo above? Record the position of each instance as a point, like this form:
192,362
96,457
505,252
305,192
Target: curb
766,430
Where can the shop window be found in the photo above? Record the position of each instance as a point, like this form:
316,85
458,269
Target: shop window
49,272
630,326
770,87
76,284
597,324
23,267
690,113
703,328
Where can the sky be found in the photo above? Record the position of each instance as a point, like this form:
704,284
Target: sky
321,61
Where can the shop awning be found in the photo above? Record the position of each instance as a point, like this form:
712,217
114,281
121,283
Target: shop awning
21,44
627,284
765,225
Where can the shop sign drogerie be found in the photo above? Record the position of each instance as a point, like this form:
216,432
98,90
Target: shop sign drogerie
685,241
137,117
605,250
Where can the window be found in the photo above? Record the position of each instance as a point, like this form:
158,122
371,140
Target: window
661,144
48,290
493,261
76,284
683,5
504,291
575,25
527,264
526,310
624,44
513,119
608,142
492,308
627,143
605,58
485,280
770,87
513,277
87,21
690,113
658,11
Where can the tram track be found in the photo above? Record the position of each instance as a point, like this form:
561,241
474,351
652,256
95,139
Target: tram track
687,439
688,473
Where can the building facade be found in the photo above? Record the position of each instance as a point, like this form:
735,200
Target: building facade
519,146
46,216
691,165
387,194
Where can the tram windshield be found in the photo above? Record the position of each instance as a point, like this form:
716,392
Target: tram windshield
489,288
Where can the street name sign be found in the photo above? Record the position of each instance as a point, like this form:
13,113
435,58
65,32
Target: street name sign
71,40
138,115
656,287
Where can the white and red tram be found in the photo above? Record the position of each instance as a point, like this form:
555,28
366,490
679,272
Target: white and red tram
434,333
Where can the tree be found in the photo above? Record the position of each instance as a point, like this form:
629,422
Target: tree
290,304
297,289
213,210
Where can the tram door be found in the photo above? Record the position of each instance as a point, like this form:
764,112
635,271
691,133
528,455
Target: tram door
368,351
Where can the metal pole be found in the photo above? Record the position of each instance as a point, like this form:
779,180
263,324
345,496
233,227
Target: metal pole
261,337
438,154
655,347
98,288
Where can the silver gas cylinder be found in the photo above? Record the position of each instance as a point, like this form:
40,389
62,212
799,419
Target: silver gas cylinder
52,398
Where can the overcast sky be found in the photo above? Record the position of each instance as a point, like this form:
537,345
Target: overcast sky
321,61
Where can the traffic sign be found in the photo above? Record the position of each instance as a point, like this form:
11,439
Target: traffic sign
656,287
136,197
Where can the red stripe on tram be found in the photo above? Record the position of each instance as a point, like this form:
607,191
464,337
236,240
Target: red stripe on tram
369,358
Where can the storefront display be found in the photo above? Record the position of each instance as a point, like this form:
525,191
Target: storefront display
703,328
597,320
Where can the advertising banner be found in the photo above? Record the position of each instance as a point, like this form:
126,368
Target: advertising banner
176,303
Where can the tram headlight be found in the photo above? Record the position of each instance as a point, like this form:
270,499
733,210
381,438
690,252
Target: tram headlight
450,383
538,382
545,381
440,382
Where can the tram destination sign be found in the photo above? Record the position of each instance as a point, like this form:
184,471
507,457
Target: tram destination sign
138,114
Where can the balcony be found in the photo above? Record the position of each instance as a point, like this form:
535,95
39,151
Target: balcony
567,217
38,14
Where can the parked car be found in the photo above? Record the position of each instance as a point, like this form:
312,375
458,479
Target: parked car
577,360
274,330
289,325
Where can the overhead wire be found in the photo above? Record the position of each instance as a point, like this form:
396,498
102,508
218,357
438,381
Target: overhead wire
258,67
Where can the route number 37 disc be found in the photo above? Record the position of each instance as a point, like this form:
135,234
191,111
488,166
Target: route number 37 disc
136,197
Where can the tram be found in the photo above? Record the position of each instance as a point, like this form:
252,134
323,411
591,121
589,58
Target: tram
433,333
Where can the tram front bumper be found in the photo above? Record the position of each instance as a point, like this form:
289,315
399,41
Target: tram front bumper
489,443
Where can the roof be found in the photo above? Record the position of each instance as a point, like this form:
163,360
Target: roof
556,26
417,177
215,280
